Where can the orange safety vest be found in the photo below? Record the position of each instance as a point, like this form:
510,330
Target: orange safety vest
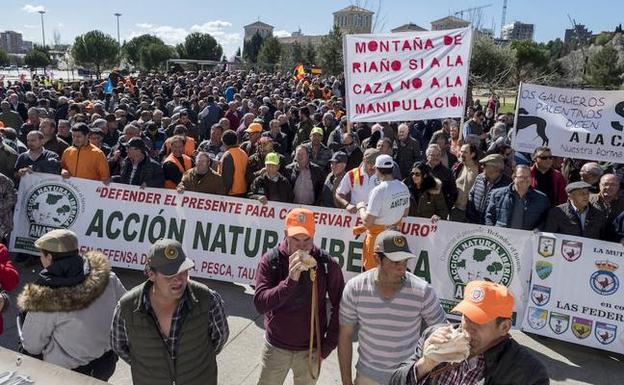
368,248
189,146
239,182
188,164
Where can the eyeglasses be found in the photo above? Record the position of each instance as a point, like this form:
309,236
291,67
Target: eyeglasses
545,157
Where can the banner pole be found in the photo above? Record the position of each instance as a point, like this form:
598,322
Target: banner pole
463,114
515,133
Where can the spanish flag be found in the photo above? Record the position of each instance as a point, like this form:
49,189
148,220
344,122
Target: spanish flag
299,72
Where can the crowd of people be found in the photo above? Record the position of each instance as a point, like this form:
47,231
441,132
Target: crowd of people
270,137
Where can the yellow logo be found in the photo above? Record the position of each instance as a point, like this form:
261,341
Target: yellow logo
171,252
399,241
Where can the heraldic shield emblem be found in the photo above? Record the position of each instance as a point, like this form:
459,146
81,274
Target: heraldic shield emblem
537,317
540,295
571,250
559,323
581,327
605,333
546,246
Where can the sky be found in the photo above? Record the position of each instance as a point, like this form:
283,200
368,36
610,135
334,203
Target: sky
173,20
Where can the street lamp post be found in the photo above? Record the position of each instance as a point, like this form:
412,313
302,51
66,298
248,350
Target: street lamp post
118,39
42,29
117,14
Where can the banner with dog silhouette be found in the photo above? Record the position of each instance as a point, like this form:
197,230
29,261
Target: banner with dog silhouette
582,124
575,292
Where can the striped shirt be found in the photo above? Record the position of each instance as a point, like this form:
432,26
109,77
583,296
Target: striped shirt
388,329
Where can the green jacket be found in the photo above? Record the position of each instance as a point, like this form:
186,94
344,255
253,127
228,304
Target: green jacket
151,364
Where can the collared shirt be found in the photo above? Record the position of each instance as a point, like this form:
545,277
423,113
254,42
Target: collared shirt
304,188
218,327
359,191
470,372
581,215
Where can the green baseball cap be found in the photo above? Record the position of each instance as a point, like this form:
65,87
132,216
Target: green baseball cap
167,257
58,241
272,158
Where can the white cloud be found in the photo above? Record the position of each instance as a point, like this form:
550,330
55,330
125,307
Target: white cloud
281,33
33,8
230,41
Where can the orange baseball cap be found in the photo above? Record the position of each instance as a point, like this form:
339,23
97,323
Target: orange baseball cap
485,301
254,128
300,221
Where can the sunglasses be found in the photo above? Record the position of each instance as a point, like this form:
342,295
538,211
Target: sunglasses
545,157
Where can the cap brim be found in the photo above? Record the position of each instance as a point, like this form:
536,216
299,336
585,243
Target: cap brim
273,163
473,312
298,230
399,256
173,270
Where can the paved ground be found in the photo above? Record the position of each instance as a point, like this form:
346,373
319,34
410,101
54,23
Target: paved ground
239,361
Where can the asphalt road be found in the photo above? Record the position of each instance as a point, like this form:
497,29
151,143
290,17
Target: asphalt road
239,362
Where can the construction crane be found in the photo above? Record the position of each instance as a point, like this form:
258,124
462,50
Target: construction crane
503,17
470,11
474,15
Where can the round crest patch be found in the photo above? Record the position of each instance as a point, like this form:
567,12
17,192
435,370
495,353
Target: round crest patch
301,218
399,241
477,295
171,252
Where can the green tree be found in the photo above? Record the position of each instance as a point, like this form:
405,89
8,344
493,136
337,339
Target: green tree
556,49
603,38
153,55
251,48
4,58
95,50
37,58
131,50
530,61
309,56
296,53
330,52
490,64
270,52
603,70
200,46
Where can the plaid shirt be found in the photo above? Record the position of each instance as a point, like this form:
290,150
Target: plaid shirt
218,327
471,372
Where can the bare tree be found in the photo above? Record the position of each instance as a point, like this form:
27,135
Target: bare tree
57,38
379,19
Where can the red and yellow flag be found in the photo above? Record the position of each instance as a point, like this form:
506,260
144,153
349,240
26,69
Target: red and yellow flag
299,72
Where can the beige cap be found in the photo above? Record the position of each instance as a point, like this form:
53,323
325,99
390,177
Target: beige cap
58,241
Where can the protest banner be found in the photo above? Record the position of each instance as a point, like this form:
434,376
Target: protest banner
582,124
575,291
407,76
226,236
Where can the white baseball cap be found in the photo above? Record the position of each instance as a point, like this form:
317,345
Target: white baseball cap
384,161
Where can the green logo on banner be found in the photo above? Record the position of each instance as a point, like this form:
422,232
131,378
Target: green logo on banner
479,257
50,206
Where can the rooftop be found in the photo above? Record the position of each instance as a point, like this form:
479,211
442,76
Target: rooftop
353,8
